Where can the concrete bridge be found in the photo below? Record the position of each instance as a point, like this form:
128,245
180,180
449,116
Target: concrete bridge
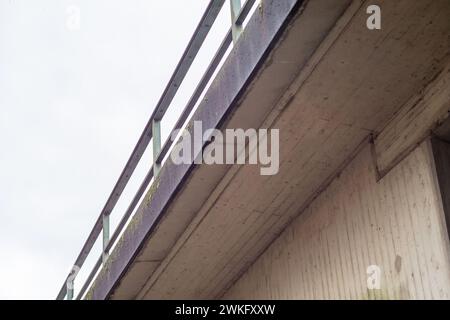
362,195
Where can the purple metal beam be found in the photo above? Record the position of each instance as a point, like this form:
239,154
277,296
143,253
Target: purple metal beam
220,99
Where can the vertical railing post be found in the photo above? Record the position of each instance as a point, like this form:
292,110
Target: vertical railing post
105,237
156,133
235,28
70,290
70,283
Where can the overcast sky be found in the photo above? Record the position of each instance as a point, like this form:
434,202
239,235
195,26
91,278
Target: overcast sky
74,99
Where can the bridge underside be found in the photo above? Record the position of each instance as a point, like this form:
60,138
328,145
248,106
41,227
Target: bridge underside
314,71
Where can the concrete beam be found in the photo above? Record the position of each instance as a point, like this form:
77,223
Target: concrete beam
254,45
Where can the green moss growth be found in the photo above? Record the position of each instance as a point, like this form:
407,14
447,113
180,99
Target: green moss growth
378,294
133,224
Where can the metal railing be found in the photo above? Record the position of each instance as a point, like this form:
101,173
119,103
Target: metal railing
152,132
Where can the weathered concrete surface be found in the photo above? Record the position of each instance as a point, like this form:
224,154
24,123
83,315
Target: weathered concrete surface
396,223
261,34
327,82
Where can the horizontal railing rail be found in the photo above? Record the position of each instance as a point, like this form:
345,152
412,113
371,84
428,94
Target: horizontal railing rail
152,132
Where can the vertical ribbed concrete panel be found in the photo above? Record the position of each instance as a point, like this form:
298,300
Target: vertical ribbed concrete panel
396,224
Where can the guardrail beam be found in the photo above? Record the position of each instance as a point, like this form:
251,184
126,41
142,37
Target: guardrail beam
152,132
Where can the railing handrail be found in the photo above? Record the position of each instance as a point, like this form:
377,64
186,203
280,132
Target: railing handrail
152,130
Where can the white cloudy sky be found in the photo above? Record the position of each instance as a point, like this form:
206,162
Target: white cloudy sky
72,105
